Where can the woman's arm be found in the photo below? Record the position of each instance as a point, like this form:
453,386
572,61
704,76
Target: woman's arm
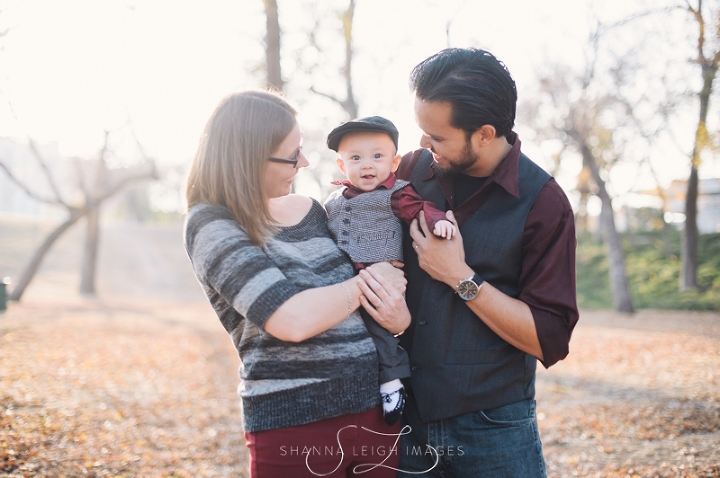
240,274
316,310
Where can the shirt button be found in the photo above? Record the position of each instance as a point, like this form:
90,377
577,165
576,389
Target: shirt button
343,242
345,233
348,208
415,368
346,221
422,322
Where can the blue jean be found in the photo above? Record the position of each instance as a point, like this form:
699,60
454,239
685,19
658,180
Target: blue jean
500,443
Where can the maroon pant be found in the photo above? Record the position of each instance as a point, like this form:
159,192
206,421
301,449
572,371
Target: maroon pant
358,444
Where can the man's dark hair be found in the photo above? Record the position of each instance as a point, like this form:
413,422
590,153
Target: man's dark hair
477,85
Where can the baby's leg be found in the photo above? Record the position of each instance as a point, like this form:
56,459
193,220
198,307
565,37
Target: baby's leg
394,364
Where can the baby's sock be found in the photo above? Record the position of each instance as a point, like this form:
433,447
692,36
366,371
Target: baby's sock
393,400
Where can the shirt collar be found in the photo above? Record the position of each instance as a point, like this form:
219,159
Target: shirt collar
387,184
505,173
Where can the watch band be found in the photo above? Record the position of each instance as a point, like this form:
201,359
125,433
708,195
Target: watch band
475,278
478,280
469,288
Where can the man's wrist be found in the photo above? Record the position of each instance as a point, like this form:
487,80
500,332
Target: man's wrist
397,331
469,288
455,279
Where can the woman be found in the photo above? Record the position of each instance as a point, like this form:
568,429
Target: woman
287,296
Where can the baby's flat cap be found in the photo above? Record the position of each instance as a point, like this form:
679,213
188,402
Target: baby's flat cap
370,123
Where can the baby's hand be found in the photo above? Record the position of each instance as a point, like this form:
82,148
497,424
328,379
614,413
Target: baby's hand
444,229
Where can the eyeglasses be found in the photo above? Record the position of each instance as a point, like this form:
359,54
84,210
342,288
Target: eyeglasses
292,161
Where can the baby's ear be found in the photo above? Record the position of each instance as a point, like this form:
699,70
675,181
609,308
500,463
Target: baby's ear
340,165
396,162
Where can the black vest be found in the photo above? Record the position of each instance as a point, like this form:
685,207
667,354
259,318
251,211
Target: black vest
458,364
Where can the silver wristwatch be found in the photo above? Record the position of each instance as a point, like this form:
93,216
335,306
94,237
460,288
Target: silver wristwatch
468,288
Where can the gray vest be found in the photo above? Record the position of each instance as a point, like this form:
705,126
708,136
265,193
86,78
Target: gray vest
365,226
459,365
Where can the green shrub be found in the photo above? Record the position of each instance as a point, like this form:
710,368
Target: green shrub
653,268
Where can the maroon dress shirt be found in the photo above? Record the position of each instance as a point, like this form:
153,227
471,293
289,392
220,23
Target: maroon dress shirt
547,280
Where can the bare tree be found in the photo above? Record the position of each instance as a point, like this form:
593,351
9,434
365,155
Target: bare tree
272,46
321,56
90,205
613,113
90,252
349,104
582,115
92,233
583,138
708,62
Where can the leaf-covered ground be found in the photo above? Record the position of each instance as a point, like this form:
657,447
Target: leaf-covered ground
636,397
96,389
93,389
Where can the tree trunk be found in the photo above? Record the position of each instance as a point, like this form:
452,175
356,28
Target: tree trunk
272,46
90,252
32,268
688,271
622,301
103,191
667,239
709,68
349,104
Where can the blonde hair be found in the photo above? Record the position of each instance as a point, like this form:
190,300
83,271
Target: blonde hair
229,165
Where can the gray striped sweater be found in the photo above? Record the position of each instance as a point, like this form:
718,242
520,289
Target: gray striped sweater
282,384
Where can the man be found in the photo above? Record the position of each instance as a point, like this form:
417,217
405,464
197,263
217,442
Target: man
498,296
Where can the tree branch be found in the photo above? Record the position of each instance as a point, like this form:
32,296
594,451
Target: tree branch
646,13
330,97
48,174
697,13
151,174
27,190
140,146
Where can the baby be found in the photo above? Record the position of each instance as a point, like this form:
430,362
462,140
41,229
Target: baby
365,217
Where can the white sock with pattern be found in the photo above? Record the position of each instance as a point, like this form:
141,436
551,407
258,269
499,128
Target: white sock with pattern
389,397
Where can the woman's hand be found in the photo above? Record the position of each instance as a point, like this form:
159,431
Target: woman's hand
383,288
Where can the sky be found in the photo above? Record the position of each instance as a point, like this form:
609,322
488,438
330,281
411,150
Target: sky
71,69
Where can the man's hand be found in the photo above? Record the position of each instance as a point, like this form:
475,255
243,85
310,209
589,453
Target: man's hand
443,259
384,299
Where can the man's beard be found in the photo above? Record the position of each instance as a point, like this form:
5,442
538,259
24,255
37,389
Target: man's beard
466,161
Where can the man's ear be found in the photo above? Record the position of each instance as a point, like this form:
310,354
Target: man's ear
483,136
341,165
395,163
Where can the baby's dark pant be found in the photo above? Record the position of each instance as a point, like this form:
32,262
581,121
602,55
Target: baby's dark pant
393,359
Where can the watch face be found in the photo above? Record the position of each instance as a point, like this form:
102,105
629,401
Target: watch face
467,290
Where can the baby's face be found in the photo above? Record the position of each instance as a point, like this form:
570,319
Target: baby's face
367,158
